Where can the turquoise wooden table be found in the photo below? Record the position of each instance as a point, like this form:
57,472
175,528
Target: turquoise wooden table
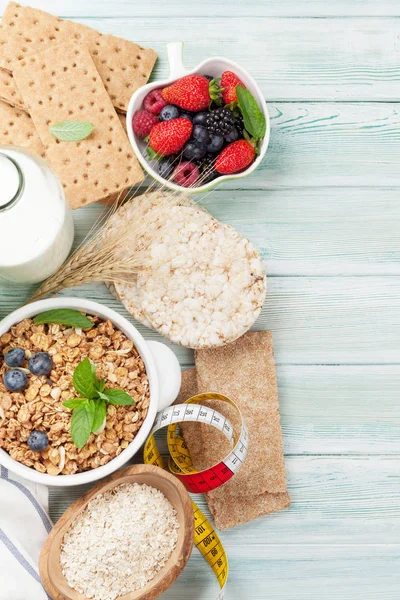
324,209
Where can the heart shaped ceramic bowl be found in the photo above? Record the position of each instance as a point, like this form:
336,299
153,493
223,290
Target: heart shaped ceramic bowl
212,66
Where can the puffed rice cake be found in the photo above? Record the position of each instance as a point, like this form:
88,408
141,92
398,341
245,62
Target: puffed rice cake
202,284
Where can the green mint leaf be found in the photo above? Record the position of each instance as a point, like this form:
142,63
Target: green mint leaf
85,380
71,131
74,402
100,407
117,397
100,385
82,423
64,316
254,120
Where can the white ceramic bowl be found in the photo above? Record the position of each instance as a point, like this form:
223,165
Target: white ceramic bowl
212,66
162,369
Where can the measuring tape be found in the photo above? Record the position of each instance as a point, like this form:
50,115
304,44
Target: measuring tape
180,464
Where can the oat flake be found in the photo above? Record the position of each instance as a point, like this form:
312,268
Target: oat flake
120,542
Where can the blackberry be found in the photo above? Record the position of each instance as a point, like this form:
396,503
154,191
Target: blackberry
208,173
221,121
239,124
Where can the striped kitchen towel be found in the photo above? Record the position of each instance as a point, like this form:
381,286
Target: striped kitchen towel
24,526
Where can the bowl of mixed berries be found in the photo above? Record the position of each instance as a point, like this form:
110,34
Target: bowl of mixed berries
199,128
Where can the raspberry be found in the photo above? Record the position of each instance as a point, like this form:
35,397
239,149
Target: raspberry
154,102
186,174
143,122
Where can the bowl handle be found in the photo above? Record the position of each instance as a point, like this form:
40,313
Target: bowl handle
168,371
176,66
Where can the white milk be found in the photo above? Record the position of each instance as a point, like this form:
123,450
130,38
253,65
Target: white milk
36,225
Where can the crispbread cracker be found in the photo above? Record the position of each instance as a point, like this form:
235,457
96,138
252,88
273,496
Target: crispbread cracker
230,511
233,503
62,83
17,129
245,372
9,92
123,66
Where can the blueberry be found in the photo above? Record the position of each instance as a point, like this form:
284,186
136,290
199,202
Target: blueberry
40,363
200,134
14,357
166,166
215,144
232,136
169,112
194,150
186,116
15,380
38,441
200,118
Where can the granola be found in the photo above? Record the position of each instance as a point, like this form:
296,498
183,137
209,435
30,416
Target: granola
40,405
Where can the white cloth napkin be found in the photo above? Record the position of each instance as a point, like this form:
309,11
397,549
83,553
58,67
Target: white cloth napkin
24,526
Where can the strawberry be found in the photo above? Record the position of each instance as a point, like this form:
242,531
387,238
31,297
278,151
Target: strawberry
168,137
229,81
192,92
235,157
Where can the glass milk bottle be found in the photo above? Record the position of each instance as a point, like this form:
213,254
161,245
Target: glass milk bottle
36,225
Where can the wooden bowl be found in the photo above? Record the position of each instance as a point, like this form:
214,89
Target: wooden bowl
49,563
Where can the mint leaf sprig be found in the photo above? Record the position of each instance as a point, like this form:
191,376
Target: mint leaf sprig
89,411
254,120
71,131
64,316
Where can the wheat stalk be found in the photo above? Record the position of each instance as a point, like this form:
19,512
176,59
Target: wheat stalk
108,254
115,251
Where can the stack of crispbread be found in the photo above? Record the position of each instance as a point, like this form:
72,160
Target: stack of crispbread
53,70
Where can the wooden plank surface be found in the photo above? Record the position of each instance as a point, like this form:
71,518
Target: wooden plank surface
335,498
340,144
282,572
292,59
339,410
324,211
217,8
331,145
303,232
321,320
305,59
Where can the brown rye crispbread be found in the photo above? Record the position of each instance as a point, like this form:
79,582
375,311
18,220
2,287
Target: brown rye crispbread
245,372
62,83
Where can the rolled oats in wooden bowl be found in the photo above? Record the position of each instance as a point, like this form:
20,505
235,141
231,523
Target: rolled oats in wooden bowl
73,399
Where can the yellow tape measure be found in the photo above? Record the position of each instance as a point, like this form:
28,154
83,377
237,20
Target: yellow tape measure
180,464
